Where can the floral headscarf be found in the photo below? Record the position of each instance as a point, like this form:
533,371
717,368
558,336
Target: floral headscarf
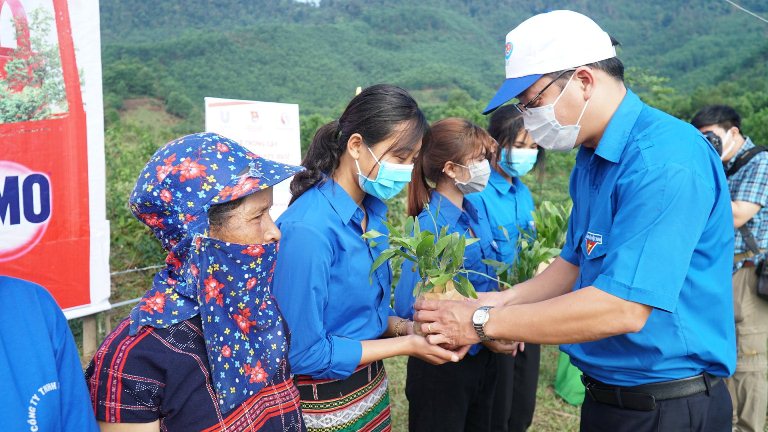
228,285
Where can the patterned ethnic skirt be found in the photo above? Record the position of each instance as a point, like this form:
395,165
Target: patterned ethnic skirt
357,403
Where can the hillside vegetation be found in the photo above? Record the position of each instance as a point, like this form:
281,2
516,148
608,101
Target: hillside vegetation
315,56
681,55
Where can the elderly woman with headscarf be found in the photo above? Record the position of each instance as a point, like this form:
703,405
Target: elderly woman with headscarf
206,347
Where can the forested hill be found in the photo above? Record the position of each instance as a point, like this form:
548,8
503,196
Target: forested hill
315,54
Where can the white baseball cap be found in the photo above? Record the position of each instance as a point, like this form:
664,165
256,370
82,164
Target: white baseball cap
546,43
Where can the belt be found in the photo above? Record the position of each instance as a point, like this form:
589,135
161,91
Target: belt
644,397
745,255
312,389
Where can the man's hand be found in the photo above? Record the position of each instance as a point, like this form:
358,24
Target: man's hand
446,321
492,298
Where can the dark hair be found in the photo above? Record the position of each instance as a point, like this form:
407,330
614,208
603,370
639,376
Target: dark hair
374,114
219,213
451,139
723,116
505,125
613,67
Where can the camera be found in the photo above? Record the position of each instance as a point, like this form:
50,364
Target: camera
715,140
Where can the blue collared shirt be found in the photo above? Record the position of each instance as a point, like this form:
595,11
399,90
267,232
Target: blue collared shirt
40,371
750,184
322,282
442,212
652,224
509,208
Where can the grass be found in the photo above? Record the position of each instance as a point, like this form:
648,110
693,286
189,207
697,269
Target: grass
552,413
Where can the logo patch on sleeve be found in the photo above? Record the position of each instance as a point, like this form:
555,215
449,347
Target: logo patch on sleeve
593,240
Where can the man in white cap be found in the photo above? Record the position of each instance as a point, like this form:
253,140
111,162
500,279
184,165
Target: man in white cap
640,295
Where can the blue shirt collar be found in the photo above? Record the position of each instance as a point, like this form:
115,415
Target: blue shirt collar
345,206
444,209
616,134
499,182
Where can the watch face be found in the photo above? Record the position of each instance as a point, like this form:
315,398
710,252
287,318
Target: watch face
480,316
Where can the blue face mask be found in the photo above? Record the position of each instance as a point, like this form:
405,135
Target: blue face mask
390,180
518,162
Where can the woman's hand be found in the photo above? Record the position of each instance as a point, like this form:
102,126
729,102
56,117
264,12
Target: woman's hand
420,348
505,347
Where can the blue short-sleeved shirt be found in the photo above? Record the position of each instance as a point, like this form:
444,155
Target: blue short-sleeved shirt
652,224
750,184
469,223
42,380
508,207
322,281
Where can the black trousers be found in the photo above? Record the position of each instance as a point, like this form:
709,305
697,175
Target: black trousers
516,381
454,397
698,413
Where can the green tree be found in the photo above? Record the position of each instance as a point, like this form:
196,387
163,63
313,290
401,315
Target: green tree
33,86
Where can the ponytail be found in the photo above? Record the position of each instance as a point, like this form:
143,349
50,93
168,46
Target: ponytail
418,189
321,159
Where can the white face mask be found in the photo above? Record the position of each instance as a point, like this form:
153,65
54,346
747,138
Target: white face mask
479,173
728,143
546,131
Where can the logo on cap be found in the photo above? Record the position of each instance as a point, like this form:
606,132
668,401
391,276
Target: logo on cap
508,50
593,240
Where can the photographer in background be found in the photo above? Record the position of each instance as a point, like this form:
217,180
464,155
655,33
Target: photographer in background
747,172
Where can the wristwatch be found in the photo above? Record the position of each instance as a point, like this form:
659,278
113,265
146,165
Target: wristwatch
479,318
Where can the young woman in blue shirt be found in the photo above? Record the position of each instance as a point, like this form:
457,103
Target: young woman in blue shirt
453,158
337,311
508,205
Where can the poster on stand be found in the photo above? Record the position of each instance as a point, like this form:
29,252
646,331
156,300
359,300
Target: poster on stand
52,177
269,129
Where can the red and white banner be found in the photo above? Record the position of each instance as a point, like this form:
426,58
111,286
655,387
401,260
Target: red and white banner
269,129
53,227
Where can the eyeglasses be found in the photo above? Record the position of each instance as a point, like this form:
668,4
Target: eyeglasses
522,107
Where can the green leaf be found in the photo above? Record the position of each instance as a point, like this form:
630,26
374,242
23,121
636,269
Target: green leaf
465,287
371,234
441,244
426,246
441,279
381,259
458,250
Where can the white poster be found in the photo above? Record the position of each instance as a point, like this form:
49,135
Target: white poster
269,129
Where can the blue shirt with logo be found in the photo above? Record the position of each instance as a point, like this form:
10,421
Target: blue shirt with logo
508,208
43,386
322,282
652,224
468,222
